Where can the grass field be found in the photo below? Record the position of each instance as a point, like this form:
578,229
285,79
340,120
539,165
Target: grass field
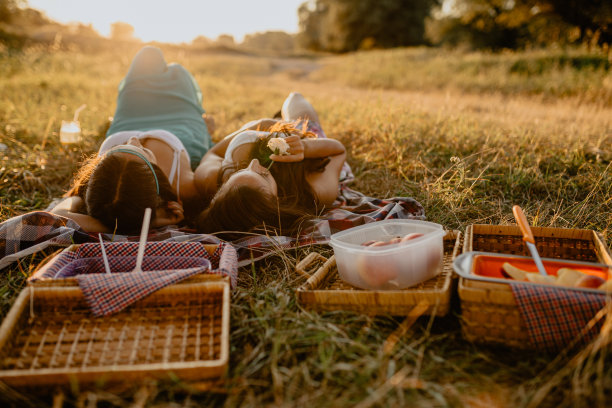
467,135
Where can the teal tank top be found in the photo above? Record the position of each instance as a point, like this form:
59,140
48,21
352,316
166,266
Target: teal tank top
170,100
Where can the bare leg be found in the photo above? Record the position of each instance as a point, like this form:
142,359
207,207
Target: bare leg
297,107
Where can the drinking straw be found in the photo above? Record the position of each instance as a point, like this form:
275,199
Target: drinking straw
76,112
143,240
106,265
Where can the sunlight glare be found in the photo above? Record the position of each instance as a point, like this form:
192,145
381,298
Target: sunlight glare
179,20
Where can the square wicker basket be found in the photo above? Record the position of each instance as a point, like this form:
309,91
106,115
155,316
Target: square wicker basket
325,291
489,312
50,337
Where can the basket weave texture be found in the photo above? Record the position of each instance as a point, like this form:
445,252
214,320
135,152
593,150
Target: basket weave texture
50,336
489,312
325,291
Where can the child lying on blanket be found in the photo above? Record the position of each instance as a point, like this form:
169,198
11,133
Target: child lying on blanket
157,137
269,185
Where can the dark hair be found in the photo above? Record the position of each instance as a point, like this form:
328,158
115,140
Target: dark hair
239,209
247,209
293,188
116,190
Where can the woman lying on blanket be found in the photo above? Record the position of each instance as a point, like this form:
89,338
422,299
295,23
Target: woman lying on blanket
158,135
263,188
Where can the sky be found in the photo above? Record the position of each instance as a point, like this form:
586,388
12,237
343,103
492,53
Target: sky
177,21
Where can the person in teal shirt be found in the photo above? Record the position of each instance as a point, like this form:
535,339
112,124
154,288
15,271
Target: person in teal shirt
157,95
157,138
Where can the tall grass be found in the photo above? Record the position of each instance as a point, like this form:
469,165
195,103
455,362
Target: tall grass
411,129
545,74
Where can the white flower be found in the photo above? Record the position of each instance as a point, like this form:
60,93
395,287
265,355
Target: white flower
278,146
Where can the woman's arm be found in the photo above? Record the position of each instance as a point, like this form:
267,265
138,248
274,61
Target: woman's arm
322,147
205,175
70,207
207,171
301,149
325,185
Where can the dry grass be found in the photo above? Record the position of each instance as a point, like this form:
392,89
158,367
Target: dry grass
466,152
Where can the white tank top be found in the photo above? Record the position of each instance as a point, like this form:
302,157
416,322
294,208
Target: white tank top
248,136
121,138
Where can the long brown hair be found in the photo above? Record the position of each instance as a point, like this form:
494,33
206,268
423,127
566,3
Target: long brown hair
247,209
239,209
293,188
116,190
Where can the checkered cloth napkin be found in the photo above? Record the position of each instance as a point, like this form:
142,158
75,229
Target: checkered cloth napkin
108,293
164,263
556,316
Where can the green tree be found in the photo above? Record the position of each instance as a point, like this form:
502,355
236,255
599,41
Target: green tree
592,17
499,24
11,34
8,9
347,25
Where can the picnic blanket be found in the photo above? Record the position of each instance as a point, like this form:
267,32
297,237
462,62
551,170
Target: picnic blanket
556,317
32,232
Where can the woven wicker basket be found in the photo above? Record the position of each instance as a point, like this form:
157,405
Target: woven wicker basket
324,290
489,313
50,336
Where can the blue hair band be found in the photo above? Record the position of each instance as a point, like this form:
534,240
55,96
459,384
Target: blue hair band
148,163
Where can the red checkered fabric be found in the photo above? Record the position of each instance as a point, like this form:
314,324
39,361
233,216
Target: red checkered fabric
194,249
108,293
223,260
164,263
555,316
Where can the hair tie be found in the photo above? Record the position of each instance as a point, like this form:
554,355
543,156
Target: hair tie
135,153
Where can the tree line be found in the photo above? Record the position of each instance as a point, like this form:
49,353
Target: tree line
349,25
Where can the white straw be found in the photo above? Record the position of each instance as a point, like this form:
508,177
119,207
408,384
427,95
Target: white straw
143,240
106,265
76,112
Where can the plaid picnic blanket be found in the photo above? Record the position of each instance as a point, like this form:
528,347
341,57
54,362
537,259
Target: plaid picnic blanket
555,317
32,232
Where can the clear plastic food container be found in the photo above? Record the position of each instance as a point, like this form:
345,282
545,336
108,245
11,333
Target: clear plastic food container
390,266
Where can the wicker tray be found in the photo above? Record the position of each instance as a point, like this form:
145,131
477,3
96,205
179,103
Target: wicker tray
50,337
325,291
489,313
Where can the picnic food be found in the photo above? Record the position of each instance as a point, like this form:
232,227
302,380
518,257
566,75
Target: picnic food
536,277
394,240
373,256
376,272
568,276
411,236
606,286
514,272
589,281
565,277
434,259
